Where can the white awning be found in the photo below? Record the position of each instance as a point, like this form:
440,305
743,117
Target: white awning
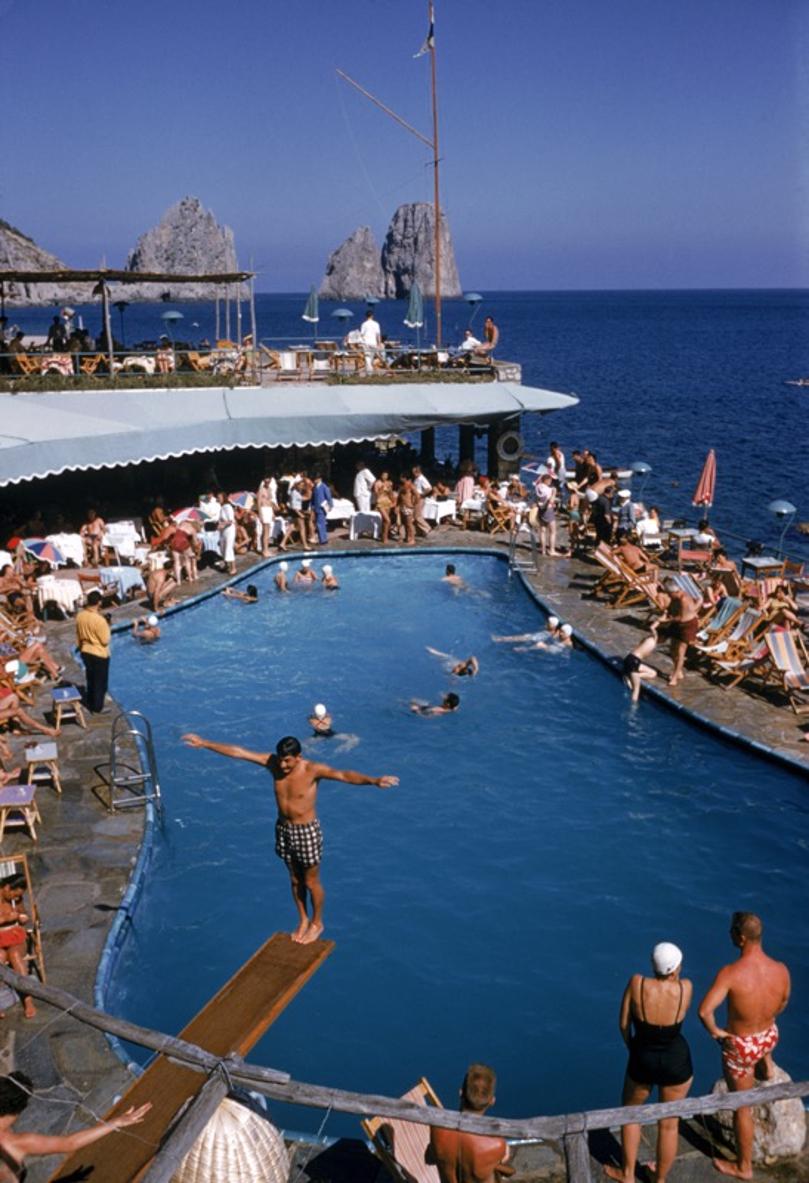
42,434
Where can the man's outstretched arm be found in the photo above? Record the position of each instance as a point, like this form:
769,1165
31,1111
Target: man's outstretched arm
324,772
226,749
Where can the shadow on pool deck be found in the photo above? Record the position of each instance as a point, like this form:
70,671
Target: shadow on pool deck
82,864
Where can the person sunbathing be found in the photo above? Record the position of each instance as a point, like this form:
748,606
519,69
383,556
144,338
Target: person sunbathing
11,712
633,557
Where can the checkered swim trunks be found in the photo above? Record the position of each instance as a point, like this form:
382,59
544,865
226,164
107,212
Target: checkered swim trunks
299,845
741,1053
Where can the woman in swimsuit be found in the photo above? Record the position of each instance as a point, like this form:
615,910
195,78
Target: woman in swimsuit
384,502
652,1013
15,1147
13,936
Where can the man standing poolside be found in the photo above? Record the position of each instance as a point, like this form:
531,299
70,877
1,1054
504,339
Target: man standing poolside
756,989
298,837
470,1158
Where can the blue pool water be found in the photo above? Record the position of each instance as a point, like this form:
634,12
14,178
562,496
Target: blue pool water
494,904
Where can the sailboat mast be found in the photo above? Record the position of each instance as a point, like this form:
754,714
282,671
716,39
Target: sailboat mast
436,189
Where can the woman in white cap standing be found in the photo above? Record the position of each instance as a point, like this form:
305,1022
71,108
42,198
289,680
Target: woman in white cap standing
280,580
652,1013
329,580
306,573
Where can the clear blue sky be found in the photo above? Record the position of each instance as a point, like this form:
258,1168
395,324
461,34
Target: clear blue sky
586,143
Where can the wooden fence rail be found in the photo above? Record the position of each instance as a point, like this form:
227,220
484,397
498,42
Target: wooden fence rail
571,1128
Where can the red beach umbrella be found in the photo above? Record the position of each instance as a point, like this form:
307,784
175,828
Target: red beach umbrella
706,485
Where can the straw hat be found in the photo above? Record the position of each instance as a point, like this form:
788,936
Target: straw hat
236,1146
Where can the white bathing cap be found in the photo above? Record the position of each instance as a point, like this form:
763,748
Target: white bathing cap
553,622
591,495
624,493
567,629
666,958
326,569
306,563
319,710
284,565
152,621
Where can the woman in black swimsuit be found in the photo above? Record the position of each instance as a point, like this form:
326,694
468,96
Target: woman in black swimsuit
652,1013
15,1091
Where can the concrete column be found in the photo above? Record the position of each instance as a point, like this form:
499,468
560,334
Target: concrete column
466,443
428,445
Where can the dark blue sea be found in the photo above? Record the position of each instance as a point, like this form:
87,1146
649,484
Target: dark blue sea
661,377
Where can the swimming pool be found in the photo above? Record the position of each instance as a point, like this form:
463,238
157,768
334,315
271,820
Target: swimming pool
493,905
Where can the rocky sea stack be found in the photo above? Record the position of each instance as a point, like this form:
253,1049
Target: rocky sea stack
187,241
356,269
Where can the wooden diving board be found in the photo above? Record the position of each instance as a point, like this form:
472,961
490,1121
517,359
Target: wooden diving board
231,1023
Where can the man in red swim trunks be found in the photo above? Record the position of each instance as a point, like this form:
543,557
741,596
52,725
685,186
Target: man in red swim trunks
757,990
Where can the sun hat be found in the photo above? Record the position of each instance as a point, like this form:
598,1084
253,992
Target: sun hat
666,958
284,565
591,495
567,630
319,710
553,621
152,621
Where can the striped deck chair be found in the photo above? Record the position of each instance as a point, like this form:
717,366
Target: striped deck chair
402,1145
736,643
688,584
720,622
613,576
752,661
790,659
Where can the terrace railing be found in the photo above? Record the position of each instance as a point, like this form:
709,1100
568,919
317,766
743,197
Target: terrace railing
571,1129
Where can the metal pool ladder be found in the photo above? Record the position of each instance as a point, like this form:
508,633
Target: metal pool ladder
133,785
516,558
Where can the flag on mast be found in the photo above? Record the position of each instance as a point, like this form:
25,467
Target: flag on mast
429,41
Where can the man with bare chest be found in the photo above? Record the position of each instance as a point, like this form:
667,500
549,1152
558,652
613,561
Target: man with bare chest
298,837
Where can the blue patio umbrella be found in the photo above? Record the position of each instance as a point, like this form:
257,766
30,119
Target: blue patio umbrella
170,320
415,312
474,300
342,313
311,312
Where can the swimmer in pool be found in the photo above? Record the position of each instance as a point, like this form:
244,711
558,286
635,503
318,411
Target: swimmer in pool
635,671
320,721
329,580
249,596
306,575
563,639
453,665
280,580
146,629
448,704
451,577
551,633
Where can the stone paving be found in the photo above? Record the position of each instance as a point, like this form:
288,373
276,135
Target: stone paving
83,860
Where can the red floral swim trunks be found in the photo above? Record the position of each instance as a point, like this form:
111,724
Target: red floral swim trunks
741,1053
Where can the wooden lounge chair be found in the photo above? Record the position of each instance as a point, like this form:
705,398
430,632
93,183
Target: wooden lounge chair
90,364
736,644
720,623
791,662
499,517
23,363
750,662
198,363
402,1145
17,864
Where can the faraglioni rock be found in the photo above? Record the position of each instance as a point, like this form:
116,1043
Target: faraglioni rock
188,240
354,270
18,252
409,253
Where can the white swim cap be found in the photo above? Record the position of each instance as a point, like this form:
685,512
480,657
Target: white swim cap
666,958
319,710
567,630
326,569
591,495
152,621
553,622
306,563
284,565
624,493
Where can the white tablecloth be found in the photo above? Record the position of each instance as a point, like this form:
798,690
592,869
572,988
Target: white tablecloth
436,511
5,559
71,546
341,510
365,523
64,592
126,579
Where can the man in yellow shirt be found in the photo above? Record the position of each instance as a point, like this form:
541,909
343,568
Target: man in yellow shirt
93,638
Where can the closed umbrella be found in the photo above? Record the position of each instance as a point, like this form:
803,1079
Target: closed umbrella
706,485
311,312
415,312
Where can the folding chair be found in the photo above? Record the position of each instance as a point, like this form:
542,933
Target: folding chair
402,1145
790,659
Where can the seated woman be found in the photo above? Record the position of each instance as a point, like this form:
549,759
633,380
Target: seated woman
13,935
33,653
11,712
164,357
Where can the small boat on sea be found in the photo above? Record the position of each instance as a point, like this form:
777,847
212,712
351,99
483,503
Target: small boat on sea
796,382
